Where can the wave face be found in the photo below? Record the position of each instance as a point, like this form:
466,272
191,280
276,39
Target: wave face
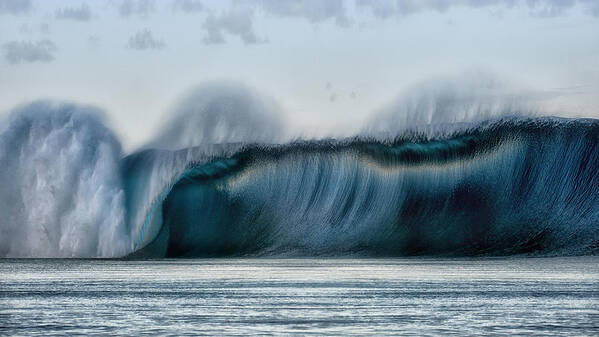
504,187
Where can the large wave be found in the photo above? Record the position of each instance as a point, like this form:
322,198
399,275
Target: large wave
504,187
484,183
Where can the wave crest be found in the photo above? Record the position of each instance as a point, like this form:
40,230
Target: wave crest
221,112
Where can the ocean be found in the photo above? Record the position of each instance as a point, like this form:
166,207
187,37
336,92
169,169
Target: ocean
532,296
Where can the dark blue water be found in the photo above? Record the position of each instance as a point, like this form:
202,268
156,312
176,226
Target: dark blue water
507,187
499,296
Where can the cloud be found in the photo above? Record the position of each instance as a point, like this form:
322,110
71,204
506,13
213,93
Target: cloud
16,52
15,6
549,9
380,8
82,13
384,9
238,20
28,29
188,6
145,40
589,6
238,23
136,7
314,11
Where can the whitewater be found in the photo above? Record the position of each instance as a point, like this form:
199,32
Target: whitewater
450,172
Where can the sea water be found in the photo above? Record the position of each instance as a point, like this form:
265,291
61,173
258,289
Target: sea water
417,296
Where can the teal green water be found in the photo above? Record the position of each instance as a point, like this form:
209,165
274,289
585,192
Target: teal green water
512,296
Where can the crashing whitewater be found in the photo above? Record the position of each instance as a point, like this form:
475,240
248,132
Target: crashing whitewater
220,181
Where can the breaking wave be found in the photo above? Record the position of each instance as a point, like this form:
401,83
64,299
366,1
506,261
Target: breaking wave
60,184
503,187
220,180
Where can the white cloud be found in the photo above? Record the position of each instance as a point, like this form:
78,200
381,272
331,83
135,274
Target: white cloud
145,40
236,22
314,11
16,52
136,7
81,13
15,6
239,20
540,8
188,6
30,29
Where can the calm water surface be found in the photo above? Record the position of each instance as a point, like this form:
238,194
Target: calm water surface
526,296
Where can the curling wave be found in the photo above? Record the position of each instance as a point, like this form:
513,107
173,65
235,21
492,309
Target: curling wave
442,171
509,186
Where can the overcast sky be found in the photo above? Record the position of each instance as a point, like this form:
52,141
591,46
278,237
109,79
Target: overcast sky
329,64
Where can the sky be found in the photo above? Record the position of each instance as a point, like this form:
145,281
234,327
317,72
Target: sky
330,65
